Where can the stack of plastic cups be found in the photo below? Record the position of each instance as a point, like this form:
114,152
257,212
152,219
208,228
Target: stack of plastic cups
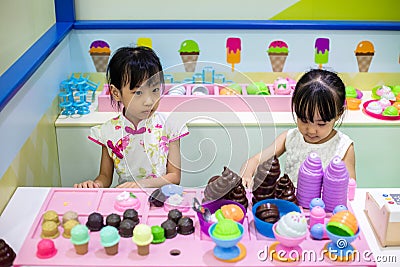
335,184
309,180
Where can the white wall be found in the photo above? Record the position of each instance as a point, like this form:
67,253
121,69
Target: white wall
22,23
255,43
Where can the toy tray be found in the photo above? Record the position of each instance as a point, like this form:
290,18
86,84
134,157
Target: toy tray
213,102
195,249
378,116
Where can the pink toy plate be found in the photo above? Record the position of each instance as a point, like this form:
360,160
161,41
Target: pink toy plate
378,116
184,250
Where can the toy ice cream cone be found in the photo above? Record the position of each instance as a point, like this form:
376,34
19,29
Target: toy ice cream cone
100,53
110,237
80,239
142,237
189,52
277,52
364,54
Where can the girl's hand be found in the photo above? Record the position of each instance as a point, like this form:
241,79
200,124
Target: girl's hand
88,184
247,181
128,185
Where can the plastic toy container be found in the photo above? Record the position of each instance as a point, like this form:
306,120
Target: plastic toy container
284,207
213,207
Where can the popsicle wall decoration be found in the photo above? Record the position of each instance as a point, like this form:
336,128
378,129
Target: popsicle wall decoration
233,49
321,49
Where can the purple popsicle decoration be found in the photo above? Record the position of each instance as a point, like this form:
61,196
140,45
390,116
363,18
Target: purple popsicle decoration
309,180
321,51
335,184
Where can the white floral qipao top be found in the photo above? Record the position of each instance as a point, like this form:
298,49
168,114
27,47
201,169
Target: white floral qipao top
138,153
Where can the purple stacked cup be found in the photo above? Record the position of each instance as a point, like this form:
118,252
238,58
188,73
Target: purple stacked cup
309,181
335,183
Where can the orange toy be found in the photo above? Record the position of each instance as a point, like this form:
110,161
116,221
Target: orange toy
398,97
344,220
396,105
227,91
353,103
232,211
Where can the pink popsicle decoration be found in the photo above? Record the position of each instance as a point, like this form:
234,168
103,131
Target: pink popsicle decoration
335,184
233,48
309,180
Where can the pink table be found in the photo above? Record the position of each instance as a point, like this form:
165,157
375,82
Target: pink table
195,249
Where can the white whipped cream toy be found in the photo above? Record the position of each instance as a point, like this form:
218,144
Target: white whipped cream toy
175,200
292,224
384,103
374,107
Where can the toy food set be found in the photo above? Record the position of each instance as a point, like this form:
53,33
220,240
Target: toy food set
116,227
258,96
385,103
383,211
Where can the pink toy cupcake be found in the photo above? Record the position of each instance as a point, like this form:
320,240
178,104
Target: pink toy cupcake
126,200
282,87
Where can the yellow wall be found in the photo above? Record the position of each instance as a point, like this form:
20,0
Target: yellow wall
22,23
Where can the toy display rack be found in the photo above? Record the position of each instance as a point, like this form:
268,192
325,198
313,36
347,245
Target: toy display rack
184,250
211,102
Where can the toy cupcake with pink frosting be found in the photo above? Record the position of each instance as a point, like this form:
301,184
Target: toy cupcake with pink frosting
282,86
126,200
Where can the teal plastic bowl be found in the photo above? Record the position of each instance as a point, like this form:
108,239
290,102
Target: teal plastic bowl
284,207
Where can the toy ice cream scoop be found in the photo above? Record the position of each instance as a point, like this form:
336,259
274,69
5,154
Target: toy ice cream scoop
45,249
226,229
343,223
233,50
292,224
109,238
68,227
51,215
49,230
321,51
390,111
277,52
126,200
364,53
100,53
374,107
158,234
233,212
142,237
80,238
70,215
189,52
384,103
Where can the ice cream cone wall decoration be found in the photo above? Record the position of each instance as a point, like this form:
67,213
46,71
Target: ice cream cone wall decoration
321,51
364,53
144,41
100,53
233,48
189,52
278,51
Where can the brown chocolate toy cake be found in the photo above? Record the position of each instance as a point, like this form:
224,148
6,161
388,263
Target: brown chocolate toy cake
268,212
265,178
285,189
218,187
7,254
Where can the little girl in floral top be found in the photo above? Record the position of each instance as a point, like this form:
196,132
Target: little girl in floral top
141,144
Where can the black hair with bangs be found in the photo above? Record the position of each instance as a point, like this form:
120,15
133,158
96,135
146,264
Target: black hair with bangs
133,66
322,91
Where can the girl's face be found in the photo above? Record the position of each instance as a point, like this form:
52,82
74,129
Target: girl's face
317,132
140,102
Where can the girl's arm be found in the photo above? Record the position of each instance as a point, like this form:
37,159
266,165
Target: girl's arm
173,174
104,179
249,167
350,160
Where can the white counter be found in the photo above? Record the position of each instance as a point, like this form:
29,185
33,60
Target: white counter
19,215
